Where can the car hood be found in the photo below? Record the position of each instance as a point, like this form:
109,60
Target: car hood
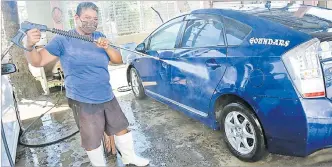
304,18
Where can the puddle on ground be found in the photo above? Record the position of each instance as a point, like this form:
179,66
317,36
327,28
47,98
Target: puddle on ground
54,126
49,128
165,136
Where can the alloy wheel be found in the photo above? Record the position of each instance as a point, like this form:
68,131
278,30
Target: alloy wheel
240,132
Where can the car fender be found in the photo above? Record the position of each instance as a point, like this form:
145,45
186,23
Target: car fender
270,110
130,61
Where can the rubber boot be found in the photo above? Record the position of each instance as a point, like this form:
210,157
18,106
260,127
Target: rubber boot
125,145
97,157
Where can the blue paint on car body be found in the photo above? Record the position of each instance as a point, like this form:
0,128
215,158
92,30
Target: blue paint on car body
192,79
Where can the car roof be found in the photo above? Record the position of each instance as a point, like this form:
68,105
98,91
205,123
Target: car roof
234,14
303,18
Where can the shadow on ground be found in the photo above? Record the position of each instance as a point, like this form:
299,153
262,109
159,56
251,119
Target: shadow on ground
165,136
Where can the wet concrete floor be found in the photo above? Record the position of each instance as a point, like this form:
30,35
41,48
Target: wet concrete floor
165,136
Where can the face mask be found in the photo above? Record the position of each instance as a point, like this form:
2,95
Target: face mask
88,26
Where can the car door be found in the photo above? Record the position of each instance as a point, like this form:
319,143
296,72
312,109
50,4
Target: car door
200,62
9,120
152,67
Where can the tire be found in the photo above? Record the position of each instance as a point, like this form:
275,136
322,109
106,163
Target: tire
252,143
136,87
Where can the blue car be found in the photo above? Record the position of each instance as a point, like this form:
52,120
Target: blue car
263,76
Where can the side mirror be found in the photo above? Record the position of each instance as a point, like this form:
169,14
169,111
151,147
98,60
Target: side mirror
8,68
140,47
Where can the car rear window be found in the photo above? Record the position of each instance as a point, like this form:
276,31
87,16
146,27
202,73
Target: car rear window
235,31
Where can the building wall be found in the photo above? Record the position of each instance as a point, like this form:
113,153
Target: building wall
313,3
325,4
39,12
329,4
137,38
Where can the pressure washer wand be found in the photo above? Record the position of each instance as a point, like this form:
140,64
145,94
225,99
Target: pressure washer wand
26,26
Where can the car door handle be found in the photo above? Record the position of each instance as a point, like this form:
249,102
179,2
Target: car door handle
177,58
212,63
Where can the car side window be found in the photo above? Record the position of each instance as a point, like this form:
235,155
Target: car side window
202,33
165,38
235,31
170,29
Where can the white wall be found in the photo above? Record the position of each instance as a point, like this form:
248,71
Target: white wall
40,12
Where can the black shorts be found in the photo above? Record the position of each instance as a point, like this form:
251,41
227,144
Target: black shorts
95,119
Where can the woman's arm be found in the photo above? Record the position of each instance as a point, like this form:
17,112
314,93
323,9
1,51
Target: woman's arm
34,57
114,54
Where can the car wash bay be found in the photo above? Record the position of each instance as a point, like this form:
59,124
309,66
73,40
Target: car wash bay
165,136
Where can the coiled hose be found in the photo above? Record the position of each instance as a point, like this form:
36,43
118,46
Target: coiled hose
72,34
23,131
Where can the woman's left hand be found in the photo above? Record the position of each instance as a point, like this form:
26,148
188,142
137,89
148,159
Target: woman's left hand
102,43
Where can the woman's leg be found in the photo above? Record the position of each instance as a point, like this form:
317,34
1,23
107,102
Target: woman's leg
90,120
122,132
117,123
96,156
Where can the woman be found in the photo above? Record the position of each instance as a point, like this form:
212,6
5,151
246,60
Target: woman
88,90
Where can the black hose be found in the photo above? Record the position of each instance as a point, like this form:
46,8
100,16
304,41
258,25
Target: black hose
89,39
85,38
23,131
124,88
20,124
3,136
30,125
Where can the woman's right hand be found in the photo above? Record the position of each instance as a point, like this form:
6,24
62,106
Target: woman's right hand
33,36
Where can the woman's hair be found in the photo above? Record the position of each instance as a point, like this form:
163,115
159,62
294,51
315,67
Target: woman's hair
85,5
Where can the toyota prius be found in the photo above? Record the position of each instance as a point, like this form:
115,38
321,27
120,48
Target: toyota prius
263,76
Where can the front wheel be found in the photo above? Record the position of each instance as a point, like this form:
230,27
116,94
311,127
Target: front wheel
243,134
136,84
